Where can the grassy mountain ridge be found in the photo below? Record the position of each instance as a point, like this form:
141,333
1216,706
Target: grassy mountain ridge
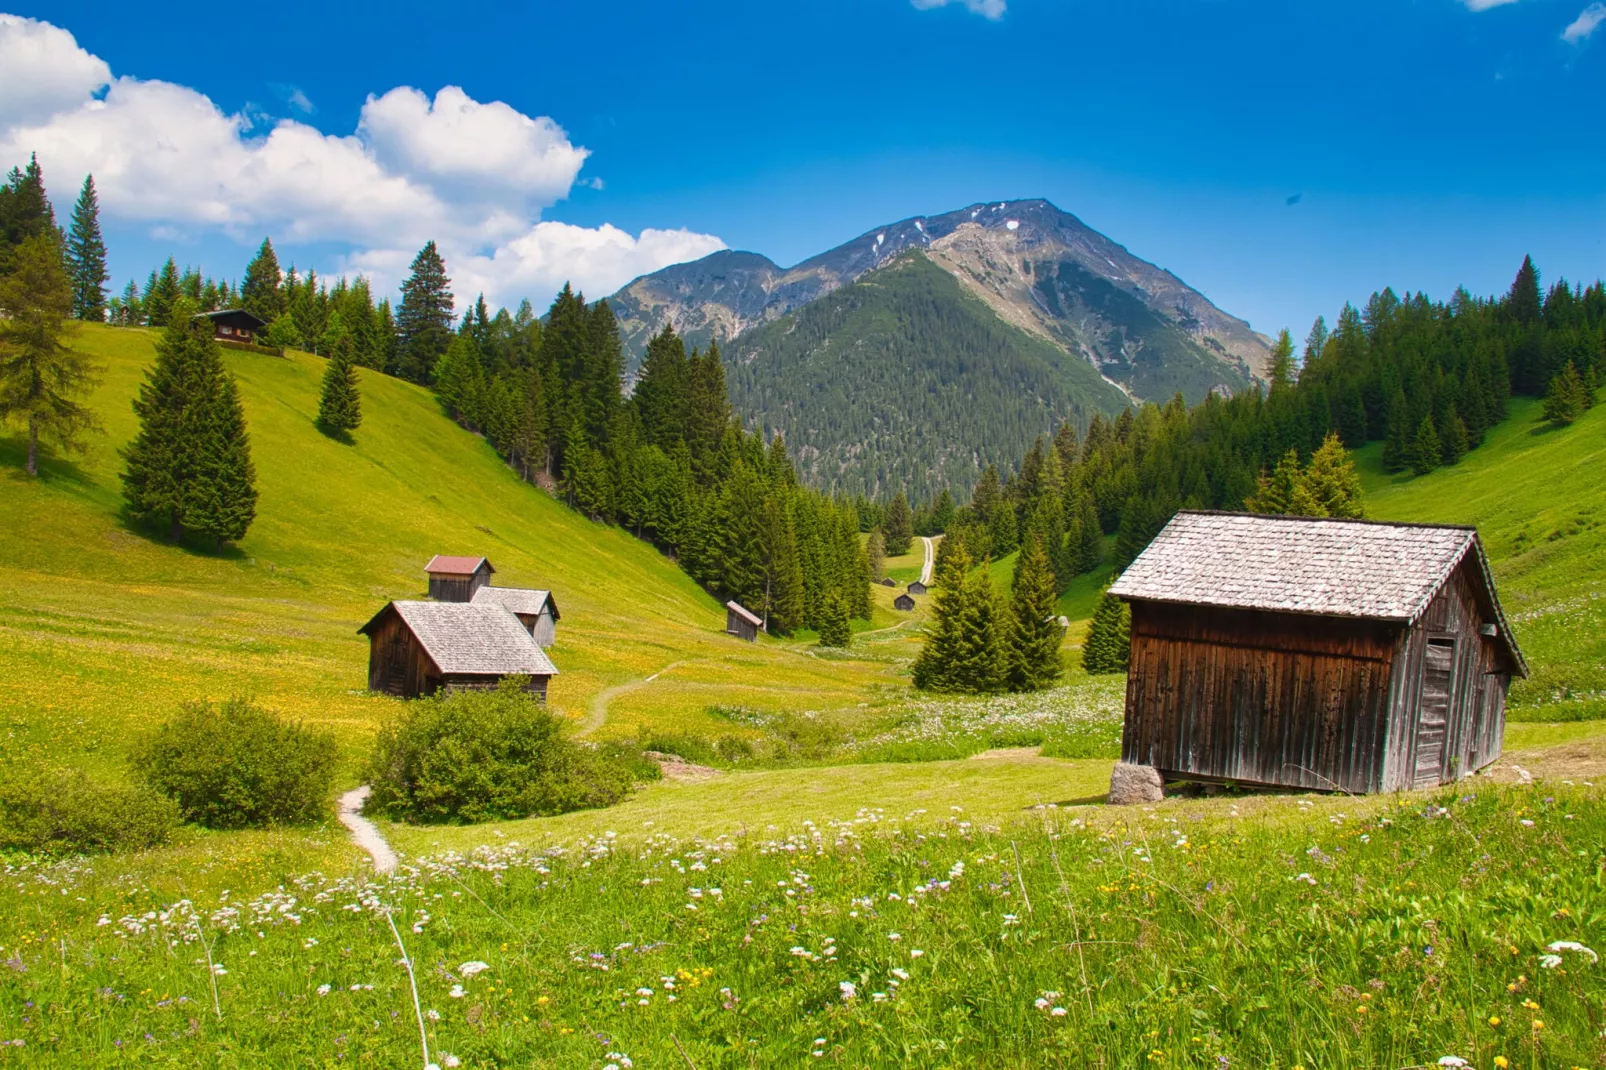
103,629
903,380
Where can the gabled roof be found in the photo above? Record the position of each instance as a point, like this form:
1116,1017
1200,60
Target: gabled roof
1326,567
744,613
446,565
234,317
469,637
519,599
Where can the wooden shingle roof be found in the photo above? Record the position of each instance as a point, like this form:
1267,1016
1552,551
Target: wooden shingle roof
468,637
518,599
745,613
1326,567
447,565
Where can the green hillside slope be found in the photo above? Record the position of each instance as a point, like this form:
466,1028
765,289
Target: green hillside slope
103,630
904,381
1538,498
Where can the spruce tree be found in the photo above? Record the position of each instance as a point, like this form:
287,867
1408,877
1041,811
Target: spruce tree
936,667
1284,492
981,663
424,318
1282,362
1332,481
1423,456
1090,548
783,567
41,375
875,548
1108,647
1567,398
1454,438
340,403
1003,529
163,294
1035,632
899,529
834,629
189,466
86,257
260,290
25,211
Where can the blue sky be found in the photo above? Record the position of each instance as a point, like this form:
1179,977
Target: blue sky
1429,143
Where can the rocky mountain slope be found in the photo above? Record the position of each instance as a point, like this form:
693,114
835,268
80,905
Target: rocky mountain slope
1039,269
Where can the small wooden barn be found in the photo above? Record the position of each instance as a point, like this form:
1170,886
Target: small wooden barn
535,609
888,582
741,622
1323,654
917,588
234,324
455,579
903,602
417,648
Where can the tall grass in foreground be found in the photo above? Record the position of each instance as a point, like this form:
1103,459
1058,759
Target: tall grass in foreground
1394,935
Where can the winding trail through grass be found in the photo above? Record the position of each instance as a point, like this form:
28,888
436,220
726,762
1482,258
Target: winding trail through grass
364,833
931,557
599,705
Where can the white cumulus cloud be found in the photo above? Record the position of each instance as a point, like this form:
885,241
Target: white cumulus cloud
994,9
1486,5
473,176
1587,22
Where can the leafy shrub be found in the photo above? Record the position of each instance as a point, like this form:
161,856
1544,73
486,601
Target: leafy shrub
235,765
467,756
65,812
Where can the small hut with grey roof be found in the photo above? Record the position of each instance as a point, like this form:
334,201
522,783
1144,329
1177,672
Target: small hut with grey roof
1315,653
742,622
535,609
417,648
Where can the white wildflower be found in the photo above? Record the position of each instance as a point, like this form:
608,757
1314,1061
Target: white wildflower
1573,945
848,990
323,990
469,969
457,992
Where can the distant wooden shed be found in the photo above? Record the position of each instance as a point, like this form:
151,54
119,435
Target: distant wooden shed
417,648
903,602
741,623
1324,654
887,581
917,588
535,609
234,324
455,579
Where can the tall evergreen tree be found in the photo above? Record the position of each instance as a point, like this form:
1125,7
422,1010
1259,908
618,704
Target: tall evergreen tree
424,318
899,528
1568,397
834,630
875,549
260,289
1284,491
1108,646
86,257
1282,361
981,664
1034,633
41,375
936,667
1425,450
1090,542
339,402
25,210
1332,482
162,296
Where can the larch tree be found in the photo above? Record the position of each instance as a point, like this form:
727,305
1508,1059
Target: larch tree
1332,481
1034,633
424,318
86,257
41,375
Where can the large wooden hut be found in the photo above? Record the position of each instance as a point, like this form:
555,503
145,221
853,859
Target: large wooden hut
1325,654
742,622
417,648
535,609
455,579
234,325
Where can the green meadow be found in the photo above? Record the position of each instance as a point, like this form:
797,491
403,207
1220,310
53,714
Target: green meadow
766,911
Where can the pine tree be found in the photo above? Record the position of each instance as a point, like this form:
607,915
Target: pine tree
834,629
1423,456
899,529
424,318
340,403
1332,481
41,375
189,466
1108,647
875,549
1567,398
260,290
1035,632
86,257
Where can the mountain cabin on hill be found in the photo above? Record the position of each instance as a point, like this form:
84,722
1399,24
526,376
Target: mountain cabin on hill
1318,654
904,602
742,623
234,324
455,579
535,609
916,588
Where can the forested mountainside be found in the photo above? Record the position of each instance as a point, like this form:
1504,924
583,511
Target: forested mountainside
905,381
1036,267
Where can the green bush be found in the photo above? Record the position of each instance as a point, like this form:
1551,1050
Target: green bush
235,765
467,756
65,812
